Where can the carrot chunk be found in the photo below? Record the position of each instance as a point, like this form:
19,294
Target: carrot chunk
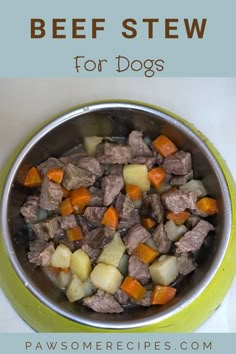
133,191
208,205
145,253
148,223
66,207
164,145
177,218
162,294
133,288
33,178
65,192
74,234
110,218
80,197
156,176
55,174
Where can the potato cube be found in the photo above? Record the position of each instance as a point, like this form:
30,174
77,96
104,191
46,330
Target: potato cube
63,279
195,186
80,264
112,252
90,144
75,289
123,264
61,257
106,277
174,232
137,174
164,270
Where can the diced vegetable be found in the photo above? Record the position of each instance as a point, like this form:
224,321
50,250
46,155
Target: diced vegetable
61,257
137,175
164,270
150,242
164,145
157,176
162,295
112,252
75,289
90,144
33,178
106,277
89,288
80,198
75,234
110,218
134,191
195,186
145,253
123,264
55,174
66,207
148,223
133,288
174,232
208,206
80,264
178,218
63,279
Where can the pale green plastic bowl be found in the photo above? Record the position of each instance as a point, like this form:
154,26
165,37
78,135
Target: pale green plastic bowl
188,317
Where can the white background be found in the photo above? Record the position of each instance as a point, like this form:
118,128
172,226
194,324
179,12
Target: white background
209,103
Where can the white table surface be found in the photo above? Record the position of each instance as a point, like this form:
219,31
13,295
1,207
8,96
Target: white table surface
209,103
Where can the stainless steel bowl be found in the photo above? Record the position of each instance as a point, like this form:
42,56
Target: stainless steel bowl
114,119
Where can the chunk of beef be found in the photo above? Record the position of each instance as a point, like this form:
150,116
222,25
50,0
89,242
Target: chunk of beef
67,222
62,238
111,186
179,180
185,263
138,270
124,206
93,253
177,200
47,229
51,162
51,195
136,235
97,238
103,302
40,252
113,153
138,145
96,196
94,215
30,209
143,160
192,240
116,169
146,300
179,163
74,157
76,177
84,224
122,297
161,239
91,164
153,202
133,220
